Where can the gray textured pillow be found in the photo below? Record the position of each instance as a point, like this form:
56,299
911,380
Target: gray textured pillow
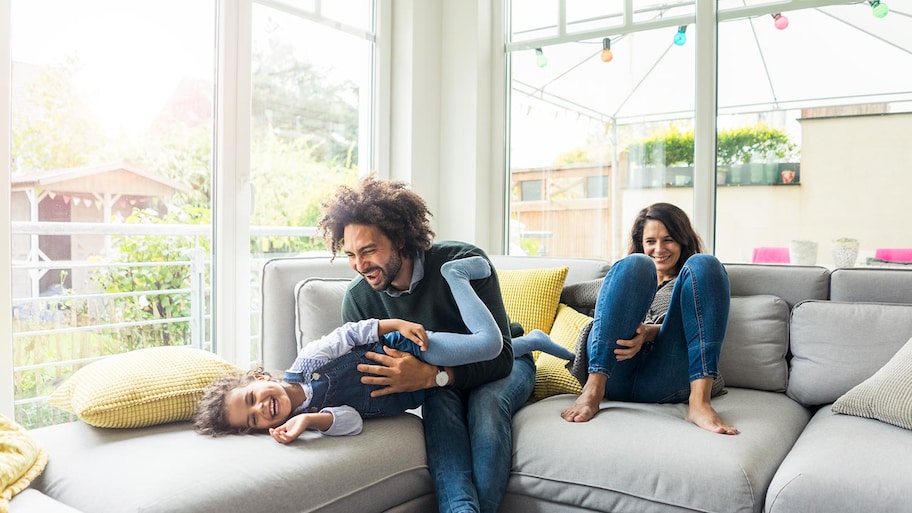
885,396
756,343
318,307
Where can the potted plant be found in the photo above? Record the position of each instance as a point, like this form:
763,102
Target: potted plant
803,252
665,158
845,252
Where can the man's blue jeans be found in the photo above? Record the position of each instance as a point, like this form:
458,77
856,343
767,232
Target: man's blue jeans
688,343
469,439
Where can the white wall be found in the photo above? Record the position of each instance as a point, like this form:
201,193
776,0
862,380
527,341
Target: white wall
446,124
6,329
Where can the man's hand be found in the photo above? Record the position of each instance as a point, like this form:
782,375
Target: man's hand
398,372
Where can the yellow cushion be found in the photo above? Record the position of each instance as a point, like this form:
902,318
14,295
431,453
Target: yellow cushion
531,295
141,388
21,460
551,374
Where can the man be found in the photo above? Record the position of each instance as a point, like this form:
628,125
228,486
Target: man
384,230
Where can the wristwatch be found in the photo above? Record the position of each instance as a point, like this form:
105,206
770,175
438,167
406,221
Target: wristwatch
442,378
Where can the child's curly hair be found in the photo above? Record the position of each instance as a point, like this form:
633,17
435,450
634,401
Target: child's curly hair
398,212
209,418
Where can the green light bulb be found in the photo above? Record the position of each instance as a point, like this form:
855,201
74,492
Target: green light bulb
879,9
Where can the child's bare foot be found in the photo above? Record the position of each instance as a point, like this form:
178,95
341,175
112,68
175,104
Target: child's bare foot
704,416
587,404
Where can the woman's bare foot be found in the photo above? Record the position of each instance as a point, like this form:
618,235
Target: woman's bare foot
701,412
587,404
704,416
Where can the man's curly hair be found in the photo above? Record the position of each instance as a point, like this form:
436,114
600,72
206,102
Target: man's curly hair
398,212
210,416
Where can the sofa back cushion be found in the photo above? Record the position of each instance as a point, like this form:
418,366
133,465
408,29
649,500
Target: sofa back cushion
837,345
793,283
871,285
318,308
279,279
756,343
579,269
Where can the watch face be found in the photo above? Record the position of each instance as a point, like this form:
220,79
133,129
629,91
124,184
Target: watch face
442,379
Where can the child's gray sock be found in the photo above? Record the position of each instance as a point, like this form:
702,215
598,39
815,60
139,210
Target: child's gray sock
538,340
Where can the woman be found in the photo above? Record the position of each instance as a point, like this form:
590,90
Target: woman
660,318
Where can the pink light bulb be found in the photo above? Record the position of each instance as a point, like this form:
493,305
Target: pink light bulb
781,21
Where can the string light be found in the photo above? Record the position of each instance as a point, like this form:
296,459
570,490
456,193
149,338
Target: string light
680,37
606,50
540,58
780,21
878,8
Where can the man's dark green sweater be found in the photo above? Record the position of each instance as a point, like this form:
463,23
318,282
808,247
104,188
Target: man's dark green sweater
432,305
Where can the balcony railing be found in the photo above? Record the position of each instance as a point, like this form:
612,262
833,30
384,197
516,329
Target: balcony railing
60,330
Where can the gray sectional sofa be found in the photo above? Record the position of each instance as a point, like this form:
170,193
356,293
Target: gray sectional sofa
798,338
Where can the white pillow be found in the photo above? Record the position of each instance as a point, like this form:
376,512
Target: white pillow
885,396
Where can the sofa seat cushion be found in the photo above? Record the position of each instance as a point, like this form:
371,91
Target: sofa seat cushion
170,468
844,464
646,457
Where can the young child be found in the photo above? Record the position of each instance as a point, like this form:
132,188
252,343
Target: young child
323,391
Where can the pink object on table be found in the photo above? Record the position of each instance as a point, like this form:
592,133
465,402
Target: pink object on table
771,255
894,255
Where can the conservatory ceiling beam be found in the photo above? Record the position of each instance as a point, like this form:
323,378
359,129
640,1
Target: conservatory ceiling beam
627,24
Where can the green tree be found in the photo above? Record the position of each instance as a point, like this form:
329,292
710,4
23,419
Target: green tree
57,129
293,99
163,296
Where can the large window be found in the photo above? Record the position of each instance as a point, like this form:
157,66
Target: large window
118,161
810,113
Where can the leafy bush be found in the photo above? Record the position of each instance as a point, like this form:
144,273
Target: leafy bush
160,296
738,145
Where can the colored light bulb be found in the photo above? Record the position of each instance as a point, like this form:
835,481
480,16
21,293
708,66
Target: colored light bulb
879,9
606,50
780,21
681,37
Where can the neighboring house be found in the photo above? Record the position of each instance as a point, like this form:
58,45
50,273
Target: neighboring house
89,194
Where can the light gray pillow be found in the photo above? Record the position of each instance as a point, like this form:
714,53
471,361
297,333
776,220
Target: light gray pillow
885,396
318,307
836,345
756,343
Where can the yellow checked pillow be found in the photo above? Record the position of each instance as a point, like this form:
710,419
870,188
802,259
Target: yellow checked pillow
531,295
21,460
141,388
551,374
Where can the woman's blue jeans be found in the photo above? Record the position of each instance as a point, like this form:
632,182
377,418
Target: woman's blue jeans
688,343
469,439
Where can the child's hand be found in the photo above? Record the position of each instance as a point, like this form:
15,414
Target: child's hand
414,332
290,430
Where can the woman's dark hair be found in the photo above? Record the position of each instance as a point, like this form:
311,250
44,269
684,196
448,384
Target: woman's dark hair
398,212
678,225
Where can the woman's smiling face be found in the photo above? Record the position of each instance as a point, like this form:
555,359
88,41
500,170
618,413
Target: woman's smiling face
661,248
261,404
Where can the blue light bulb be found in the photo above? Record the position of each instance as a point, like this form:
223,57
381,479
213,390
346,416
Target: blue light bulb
680,38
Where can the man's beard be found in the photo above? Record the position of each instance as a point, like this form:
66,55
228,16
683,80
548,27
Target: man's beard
387,272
